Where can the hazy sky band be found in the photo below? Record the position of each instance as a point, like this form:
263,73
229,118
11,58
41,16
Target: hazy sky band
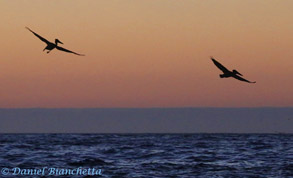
147,53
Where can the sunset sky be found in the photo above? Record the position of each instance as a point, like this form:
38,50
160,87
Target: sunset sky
146,53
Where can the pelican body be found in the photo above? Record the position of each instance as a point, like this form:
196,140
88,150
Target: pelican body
50,46
227,73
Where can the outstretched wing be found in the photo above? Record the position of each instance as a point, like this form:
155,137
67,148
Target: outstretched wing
41,38
241,79
68,51
220,66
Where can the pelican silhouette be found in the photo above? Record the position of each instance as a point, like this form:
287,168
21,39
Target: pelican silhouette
228,73
50,46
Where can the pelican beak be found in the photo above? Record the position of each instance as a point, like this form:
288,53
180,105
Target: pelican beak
58,41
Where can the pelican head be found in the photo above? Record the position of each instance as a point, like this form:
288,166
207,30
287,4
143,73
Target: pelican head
57,41
236,72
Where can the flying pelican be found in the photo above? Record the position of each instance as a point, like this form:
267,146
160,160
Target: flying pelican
228,73
50,46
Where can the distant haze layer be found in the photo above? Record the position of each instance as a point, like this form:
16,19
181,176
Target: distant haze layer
168,120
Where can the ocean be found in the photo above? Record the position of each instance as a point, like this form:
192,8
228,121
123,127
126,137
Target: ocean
146,155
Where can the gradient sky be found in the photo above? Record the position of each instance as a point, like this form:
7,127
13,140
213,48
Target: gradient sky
146,53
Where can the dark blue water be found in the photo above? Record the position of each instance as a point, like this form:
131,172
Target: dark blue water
152,155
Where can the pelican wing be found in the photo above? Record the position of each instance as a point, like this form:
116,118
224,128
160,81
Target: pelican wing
241,79
220,66
41,38
68,51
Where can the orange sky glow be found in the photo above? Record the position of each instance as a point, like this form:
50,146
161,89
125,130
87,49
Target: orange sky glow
146,53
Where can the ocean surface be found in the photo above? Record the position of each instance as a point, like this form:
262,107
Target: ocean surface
149,155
